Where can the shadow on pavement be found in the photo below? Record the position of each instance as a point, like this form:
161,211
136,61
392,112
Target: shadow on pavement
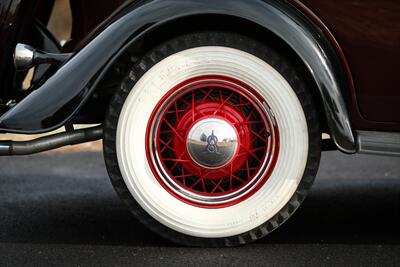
67,199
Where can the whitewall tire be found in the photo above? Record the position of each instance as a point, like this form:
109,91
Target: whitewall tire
212,139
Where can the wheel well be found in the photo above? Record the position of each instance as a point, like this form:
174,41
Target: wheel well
202,23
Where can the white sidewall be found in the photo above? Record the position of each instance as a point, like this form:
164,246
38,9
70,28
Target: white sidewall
185,218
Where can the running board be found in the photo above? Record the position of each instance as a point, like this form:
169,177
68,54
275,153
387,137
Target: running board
378,143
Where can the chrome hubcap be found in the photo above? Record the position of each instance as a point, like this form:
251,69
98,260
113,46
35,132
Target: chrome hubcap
212,142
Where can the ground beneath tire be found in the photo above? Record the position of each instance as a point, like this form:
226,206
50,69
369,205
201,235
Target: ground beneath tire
60,209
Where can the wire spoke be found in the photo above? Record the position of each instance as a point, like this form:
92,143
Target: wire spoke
249,116
174,130
248,169
193,106
176,110
259,136
217,186
195,183
237,178
203,184
207,95
176,160
251,153
223,102
166,145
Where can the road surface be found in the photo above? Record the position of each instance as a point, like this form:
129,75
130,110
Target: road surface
60,209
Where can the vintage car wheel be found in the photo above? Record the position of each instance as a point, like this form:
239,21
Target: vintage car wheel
212,139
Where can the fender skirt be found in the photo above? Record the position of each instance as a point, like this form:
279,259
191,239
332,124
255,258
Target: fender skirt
64,93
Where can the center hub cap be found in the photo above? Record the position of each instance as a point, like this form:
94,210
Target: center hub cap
212,143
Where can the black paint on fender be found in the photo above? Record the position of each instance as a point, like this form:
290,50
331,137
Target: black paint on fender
64,93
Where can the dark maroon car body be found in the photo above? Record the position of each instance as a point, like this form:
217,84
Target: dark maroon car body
366,32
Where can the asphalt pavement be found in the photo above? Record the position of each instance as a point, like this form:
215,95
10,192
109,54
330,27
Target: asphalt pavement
60,209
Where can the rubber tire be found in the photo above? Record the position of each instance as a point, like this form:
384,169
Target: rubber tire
262,51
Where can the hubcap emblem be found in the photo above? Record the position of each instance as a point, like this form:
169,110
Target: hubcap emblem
212,142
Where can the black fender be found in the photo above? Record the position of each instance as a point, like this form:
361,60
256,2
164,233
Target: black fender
64,93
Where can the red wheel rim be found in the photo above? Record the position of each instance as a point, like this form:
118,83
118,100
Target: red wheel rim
210,178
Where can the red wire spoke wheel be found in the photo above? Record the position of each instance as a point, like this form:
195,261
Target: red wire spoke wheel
212,139
212,142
